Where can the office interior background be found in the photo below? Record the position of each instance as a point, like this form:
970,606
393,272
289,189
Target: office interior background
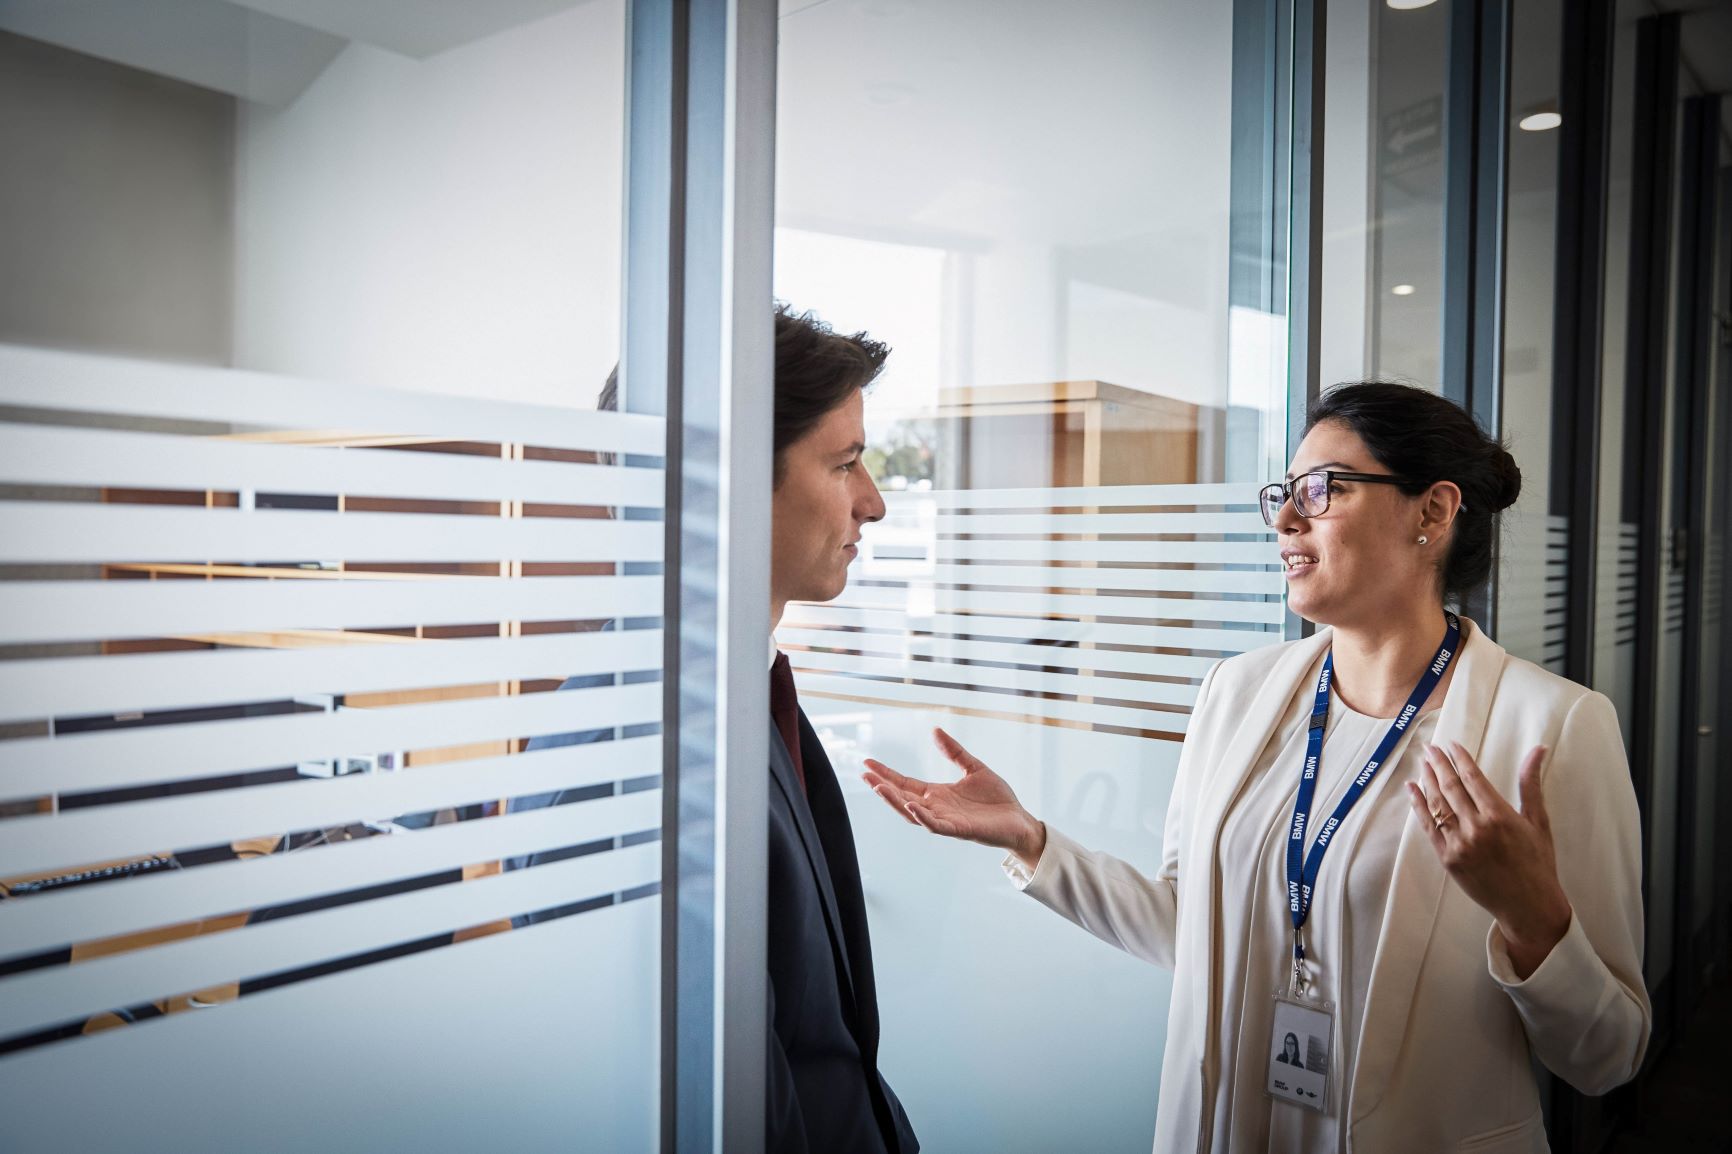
308,510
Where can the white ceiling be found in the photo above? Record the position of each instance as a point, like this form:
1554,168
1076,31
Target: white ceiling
417,28
971,122
267,51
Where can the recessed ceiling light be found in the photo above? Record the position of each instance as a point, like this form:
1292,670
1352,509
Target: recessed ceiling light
1403,290
1410,5
1540,122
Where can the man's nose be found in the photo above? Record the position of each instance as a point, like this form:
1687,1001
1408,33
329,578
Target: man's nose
869,506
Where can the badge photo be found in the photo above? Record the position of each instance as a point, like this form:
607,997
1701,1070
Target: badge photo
1299,1053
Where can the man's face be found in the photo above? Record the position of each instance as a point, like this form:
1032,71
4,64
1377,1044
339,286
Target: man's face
824,497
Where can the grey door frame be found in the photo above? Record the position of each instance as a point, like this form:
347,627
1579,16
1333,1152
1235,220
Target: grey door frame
699,346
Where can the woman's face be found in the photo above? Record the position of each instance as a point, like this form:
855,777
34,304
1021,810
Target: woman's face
1360,558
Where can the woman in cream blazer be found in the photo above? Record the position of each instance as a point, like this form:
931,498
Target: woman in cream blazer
1497,905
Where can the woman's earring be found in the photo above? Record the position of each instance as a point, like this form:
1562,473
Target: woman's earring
1423,539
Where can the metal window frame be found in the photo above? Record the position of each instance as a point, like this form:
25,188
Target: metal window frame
1584,156
1476,166
698,332
1722,709
1307,50
1697,170
1276,216
1656,96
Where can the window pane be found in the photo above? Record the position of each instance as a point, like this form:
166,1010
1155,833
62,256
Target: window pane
1532,563
307,511
1031,205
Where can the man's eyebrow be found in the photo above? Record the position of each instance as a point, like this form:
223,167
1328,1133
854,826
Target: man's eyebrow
1320,468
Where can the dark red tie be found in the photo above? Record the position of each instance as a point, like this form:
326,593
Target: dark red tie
785,711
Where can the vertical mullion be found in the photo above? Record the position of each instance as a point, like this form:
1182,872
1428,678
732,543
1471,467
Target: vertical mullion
1297,248
1695,333
1583,159
1305,234
1476,101
648,383
700,144
744,459
1645,405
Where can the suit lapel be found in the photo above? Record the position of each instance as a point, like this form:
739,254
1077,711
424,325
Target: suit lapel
1417,885
782,772
836,834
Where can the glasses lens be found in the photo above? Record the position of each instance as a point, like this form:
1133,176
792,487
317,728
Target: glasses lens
1311,493
1271,498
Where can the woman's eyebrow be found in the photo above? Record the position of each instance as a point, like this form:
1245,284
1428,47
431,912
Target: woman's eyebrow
1319,468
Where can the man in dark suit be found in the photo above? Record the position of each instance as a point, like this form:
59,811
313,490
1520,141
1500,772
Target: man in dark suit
825,1094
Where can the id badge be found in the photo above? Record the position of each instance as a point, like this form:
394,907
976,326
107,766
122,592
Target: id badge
1299,1051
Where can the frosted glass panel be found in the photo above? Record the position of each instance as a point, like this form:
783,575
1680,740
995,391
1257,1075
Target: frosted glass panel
205,825
330,585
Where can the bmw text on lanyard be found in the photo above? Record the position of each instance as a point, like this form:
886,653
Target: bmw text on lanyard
1302,868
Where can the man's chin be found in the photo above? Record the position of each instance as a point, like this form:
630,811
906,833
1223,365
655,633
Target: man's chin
833,589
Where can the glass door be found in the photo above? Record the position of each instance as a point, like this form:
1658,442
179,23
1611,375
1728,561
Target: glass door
1031,206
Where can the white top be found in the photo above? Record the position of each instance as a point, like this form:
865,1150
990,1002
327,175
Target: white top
1439,1044
1341,932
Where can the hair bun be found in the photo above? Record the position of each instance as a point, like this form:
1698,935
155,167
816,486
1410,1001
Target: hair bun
1508,479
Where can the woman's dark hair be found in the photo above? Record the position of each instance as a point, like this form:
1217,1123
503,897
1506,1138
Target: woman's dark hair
1420,435
816,370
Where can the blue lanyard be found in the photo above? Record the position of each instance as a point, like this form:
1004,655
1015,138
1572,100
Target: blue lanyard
1302,869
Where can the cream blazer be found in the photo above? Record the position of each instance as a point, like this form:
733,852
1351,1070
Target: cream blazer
1443,1056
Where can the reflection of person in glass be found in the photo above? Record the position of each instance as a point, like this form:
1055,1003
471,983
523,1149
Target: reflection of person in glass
1492,840
1290,1050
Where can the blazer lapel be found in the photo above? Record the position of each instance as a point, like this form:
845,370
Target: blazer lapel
782,772
1417,885
1221,786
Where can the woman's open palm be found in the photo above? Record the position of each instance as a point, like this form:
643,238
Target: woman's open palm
980,807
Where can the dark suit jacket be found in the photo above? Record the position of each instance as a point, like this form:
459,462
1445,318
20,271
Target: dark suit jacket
825,1093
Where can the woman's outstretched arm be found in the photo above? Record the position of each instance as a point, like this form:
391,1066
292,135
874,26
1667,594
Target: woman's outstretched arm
1104,895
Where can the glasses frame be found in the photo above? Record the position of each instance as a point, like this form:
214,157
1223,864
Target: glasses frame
1330,476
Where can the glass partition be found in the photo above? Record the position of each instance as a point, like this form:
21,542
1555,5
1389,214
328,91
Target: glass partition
1614,668
307,511
1533,563
1404,292
1031,206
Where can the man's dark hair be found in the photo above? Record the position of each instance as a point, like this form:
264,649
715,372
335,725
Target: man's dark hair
816,370
1427,438
607,401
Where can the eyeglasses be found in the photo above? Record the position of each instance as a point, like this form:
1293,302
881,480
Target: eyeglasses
1310,492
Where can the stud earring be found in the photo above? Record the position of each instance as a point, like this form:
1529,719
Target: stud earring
1423,539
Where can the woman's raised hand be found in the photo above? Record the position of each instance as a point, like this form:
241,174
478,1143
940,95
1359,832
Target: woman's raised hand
980,807
1501,856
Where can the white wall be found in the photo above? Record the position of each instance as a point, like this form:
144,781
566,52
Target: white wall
114,207
450,224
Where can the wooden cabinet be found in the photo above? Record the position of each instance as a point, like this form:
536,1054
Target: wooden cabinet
1066,433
